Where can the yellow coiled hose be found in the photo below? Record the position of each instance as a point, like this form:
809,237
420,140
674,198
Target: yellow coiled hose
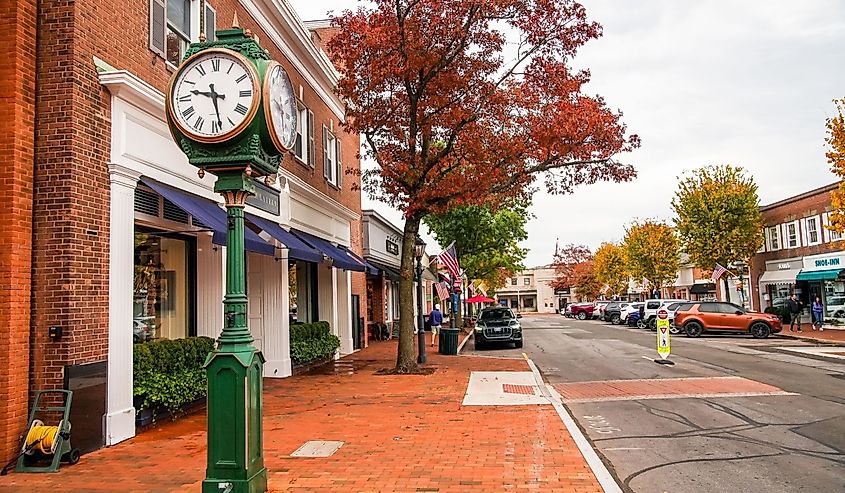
42,438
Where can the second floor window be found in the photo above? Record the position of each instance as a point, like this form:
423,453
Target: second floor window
774,238
792,234
178,29
812,224
332,164
513,281
527,281
174,24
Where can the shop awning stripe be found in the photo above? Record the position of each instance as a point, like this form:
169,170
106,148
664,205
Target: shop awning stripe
297,249
210,214
341,257
818,275
786,276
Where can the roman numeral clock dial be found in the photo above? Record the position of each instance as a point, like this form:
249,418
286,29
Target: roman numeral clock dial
213,96
280,108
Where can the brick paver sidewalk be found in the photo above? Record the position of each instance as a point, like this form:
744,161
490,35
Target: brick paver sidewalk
401,433
829,335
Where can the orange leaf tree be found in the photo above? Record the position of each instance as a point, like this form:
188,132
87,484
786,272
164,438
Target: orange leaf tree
585,281
469,102
566,263
836,158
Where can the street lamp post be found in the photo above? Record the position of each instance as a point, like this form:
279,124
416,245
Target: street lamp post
419,251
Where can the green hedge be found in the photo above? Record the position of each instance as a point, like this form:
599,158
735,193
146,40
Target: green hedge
169,373
309,342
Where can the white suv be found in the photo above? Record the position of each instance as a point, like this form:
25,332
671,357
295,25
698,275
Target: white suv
651,307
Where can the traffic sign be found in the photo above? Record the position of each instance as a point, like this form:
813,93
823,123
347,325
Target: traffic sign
663,348
662,314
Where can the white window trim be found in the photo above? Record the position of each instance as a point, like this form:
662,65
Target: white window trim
769,244
302,129
205,20
797,228
194,35
331,149
828,234
765,244
806,227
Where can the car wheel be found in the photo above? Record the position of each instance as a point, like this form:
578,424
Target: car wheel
582,315
652,324
641,324
518,344
760,330
615,319
693,329
674,330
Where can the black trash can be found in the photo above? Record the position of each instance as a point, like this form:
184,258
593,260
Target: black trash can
449,341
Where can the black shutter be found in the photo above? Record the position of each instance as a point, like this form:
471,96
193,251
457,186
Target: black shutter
158,26
326,162
339,163
312,149
210,24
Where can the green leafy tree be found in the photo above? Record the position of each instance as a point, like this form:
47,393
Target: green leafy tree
718,216
652,251
487,241
611,269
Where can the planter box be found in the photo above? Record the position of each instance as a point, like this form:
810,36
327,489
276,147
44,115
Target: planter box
148,418
306,367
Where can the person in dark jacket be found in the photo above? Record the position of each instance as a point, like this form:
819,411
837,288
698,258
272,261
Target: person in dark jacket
795,306
435,318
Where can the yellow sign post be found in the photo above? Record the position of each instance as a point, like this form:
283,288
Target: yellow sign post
663,345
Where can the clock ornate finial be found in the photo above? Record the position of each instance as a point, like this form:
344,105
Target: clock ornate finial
235,24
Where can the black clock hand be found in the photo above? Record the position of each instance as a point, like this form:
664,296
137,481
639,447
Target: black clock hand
195,92
214,97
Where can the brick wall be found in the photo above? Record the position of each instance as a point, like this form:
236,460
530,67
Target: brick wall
814,202
17,131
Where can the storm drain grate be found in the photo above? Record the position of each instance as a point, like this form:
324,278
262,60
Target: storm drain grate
317,448
509,388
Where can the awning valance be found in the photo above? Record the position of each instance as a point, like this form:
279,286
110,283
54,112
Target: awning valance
818,275
210,214
786,276
297,249
341,257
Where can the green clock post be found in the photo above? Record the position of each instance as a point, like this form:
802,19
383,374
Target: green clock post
232,111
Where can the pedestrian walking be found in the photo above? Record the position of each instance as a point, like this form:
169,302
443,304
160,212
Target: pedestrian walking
435,318
795,306
818,314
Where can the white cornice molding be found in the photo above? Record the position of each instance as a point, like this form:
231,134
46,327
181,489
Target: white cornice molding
371,213
316,199
279,20
132,88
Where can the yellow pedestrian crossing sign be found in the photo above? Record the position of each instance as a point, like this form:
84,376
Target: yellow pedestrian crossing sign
663,348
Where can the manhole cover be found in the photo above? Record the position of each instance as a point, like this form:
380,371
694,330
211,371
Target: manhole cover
518,389
317,448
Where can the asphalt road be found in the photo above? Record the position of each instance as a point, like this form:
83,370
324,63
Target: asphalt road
766,443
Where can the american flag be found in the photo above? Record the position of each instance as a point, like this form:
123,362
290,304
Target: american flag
442,291
605,289
718,271
449,258
645,283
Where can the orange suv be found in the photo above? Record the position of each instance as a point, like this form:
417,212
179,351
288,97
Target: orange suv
695,318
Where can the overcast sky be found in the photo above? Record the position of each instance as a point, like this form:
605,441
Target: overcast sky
748,83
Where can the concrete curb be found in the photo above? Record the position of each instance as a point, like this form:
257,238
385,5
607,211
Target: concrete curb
810,339
464,342
606,480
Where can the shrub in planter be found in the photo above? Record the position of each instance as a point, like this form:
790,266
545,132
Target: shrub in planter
309,342
169,374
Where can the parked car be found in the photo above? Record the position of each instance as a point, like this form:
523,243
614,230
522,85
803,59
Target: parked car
696,318
835,306
649,318
672,308
599,310
613,311
583,311
141,330
630,309
497,324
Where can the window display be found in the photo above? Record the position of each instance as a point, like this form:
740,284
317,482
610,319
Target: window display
162,288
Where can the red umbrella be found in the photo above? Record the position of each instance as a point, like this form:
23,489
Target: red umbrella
480,299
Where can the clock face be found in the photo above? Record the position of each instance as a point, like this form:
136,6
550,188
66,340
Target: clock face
280,107
214,95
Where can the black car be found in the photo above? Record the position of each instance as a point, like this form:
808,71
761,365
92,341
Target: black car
613,312
497,324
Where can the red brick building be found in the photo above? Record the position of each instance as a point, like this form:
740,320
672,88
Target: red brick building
106,230
800,254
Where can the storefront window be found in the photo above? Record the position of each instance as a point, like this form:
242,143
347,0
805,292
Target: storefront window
163,298
302,282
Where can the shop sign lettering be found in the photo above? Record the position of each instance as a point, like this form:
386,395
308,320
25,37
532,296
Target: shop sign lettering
784,266
827,262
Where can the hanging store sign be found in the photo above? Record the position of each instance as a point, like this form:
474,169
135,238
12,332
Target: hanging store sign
266,198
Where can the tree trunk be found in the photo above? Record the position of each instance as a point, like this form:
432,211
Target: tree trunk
406,359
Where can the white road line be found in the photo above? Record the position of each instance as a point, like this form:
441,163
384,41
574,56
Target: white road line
675,396
604,477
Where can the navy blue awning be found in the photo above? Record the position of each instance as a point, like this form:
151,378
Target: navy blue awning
297,249
371,269
340,256
389,272
210,214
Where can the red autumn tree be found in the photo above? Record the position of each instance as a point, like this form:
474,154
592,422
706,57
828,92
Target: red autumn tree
469,102
566,263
